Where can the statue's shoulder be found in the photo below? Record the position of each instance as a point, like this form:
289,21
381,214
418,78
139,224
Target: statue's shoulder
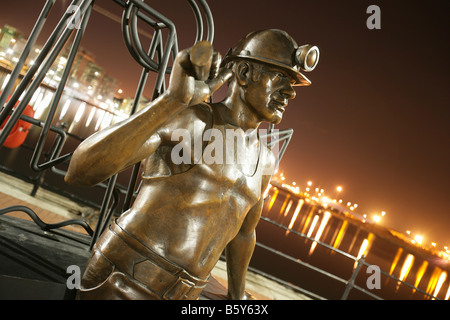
197,116
202,111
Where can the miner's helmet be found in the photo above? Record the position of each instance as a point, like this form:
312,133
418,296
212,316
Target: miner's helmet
276,47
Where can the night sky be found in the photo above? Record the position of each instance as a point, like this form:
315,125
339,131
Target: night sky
375,119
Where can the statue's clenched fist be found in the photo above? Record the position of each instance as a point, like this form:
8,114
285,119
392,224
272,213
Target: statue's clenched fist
196,74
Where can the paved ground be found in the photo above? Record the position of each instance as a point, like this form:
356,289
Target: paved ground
50,207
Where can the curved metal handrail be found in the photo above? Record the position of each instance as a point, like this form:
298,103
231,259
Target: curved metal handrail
47,226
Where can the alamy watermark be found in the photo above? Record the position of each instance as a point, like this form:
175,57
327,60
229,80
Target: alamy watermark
74,279
374,280
74,22
228,147
374,20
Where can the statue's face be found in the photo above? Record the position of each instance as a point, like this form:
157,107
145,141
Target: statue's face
269,94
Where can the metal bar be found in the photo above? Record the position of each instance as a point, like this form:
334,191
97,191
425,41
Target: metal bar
282,135
287,284
284,147
131,186
30,73
129,26
163,56
362,262
105,204
57,146
198,20
151,65
142,16
57,96
345,254
108,217
156,42
278,136
407,284
136,40
351,281
349,284
288,257
142,5
44,226
209,20
171,38
171,42
26,51
41,74
367,292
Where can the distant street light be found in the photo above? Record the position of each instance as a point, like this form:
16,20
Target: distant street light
338,190
419,239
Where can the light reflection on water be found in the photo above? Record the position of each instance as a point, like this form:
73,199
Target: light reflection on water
321,224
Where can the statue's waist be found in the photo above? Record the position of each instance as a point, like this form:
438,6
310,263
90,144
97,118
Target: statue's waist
135,259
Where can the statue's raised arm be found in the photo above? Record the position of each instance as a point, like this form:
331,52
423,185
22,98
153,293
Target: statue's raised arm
195,76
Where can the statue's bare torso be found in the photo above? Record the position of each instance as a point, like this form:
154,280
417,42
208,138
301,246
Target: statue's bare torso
205,203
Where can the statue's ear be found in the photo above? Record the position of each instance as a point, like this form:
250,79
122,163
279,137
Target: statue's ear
243,73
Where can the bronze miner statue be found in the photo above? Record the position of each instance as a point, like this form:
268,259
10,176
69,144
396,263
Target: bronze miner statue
196,199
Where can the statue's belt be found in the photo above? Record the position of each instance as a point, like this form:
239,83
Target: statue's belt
162,276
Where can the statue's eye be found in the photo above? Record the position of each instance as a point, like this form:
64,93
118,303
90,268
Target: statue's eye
279,75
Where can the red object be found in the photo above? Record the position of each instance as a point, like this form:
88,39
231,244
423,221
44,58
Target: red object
19,132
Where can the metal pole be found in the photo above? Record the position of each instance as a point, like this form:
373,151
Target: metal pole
37,63
198,20
73,51
351,282
209,20
104,208
42,71
26,51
